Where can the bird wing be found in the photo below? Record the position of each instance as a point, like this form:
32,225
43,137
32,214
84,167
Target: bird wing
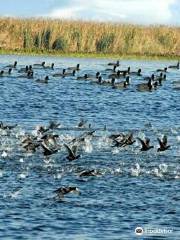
142,142
164,140
70,152
74,150
147,141
160,143
45,148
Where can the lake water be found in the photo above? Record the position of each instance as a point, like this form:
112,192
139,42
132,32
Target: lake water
134,188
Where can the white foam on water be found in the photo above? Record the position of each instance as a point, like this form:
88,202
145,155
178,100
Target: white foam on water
4,154
135,171
115,151
21,160
88,146
163,167
157,173
23,175
1,173
15,194
178,138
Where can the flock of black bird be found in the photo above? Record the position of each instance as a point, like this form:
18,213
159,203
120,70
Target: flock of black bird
113,76
46,139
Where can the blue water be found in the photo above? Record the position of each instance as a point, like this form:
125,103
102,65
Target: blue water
134,189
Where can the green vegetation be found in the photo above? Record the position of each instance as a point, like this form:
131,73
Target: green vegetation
76,38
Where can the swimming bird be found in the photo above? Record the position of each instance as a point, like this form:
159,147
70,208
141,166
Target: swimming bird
145,144
163,144
117,75
138,73
111,70
69,74
120,85
152,77
45,80
30,74
53,125
77,68
72,152
146,86
175,66
85,77
7,127
60,74
12,65
24,69
88,173
82,123
114,64
125,71
39,64
162,70
65,190
49,67
4,74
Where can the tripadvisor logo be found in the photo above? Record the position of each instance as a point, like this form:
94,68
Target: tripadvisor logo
139,231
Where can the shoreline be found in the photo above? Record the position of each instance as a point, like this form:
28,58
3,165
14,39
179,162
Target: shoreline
88,55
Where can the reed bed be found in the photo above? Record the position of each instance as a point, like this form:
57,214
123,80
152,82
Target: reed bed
60,36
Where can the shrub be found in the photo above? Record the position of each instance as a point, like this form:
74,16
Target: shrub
46,37
37,41
104,44
59,44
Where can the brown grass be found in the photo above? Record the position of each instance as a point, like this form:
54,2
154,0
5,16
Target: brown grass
88,37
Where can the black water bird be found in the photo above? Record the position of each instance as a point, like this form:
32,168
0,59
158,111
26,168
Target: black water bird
7,127
125,71
138,73
46,150
128,140
53,125
82,123
152,77
117,64
24,69
49,67
45,80
69,74
88,173
12,65
145,144
146,86
65,190
85,77
77,68
60,74
39,64
163,144
175,66
111,70
162,70
72,152
50,139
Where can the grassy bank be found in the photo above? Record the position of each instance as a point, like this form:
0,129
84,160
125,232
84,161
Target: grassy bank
87,39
